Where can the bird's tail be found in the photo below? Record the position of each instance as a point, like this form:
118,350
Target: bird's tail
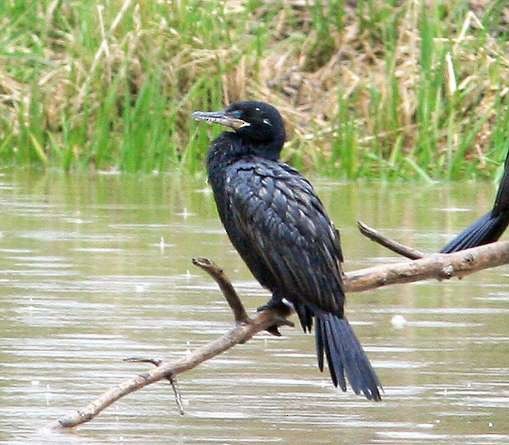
489,227
336,340
486,229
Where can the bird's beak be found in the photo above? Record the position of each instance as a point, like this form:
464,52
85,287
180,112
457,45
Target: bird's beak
220,117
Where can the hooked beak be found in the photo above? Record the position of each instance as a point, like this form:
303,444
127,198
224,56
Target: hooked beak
220,117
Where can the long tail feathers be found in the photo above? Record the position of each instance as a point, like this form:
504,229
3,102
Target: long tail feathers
486,229
305,317
336,340
489,227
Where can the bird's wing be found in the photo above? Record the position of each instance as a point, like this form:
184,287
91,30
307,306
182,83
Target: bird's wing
278,211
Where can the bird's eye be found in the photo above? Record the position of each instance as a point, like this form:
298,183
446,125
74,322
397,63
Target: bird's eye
266,121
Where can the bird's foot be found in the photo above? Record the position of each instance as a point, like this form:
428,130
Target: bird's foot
274,304
282,310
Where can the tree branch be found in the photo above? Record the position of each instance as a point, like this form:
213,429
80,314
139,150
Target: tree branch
230,294
395,246
171,379
439,266
240,333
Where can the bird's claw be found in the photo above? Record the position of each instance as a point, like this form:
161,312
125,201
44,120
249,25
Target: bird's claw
274,330
282,321
281,311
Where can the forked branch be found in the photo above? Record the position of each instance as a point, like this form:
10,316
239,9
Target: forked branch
229,292
438,266
395,246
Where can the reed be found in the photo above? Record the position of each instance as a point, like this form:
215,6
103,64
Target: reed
369,89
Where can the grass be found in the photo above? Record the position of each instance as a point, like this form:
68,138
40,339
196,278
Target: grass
382,89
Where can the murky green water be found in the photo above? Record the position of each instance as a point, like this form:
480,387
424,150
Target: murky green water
93,270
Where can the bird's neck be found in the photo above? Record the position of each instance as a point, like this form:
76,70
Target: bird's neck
229,148
225,150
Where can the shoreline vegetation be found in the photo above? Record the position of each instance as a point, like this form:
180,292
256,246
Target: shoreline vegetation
369,88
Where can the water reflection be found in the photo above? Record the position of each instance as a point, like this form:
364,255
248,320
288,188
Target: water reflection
93,270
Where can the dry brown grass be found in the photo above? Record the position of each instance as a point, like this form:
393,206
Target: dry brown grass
402,84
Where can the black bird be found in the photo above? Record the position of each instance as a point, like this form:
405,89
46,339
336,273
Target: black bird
282,232
488,228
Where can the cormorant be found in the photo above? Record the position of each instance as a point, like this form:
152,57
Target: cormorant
281,230
488,228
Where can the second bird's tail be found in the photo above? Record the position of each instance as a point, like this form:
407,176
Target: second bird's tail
336,340
486,229
489,227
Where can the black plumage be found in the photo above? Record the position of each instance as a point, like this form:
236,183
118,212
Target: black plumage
489,227
281,230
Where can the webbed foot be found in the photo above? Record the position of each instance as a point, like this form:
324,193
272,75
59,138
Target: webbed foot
277,305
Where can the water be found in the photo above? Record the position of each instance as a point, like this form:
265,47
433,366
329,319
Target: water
96,269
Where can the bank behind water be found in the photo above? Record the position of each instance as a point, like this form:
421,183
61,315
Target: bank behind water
368,89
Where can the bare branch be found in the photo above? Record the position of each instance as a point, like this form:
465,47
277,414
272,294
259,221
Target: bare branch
178,396
239,312
438,266
393,245
171,379
240,333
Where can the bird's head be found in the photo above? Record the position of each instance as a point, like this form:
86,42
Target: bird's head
257,123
